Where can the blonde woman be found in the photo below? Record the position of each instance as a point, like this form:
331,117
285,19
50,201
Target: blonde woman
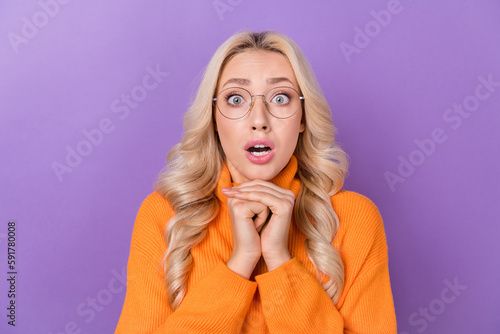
248,230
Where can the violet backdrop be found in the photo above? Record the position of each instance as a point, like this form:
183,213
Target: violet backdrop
414,87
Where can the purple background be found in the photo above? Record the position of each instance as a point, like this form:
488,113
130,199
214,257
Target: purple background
73,232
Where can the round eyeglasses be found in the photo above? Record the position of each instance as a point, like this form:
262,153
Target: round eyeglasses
236,102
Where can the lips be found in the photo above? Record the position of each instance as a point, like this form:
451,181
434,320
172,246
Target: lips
259,142
259,150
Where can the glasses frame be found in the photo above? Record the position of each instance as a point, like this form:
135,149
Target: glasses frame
252,101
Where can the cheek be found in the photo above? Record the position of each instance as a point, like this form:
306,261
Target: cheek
293,136
225,129
290,129
293,132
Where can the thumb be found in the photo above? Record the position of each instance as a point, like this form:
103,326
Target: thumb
262,219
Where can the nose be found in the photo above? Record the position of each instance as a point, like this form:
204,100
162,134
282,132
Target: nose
259,113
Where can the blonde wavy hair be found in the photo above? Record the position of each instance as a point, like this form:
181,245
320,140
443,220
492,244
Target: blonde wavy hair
190,178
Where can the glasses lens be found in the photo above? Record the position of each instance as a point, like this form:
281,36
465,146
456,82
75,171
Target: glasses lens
283,102
234,102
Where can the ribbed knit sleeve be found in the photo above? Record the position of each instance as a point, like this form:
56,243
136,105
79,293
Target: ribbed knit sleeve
293,301
218,303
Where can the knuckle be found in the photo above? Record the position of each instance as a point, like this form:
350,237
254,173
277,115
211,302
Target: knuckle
238,207
260,206
288,205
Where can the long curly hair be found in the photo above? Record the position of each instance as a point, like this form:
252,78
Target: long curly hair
189,185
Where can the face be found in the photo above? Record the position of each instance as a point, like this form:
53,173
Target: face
258,72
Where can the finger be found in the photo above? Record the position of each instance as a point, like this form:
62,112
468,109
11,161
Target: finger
260,228
229,192
263,226
261,219
262,186
277,205
251,210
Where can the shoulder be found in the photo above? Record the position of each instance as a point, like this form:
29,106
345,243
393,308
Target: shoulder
154,212
156,206
361,231
353,205
150,223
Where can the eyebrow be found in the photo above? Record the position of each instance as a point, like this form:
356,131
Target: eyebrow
273,81
246,82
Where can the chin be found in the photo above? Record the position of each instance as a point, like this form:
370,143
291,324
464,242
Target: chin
249,171
262,172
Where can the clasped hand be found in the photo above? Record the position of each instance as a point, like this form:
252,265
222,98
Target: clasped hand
249,205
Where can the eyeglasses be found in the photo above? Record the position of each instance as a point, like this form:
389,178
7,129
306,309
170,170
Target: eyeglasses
236,102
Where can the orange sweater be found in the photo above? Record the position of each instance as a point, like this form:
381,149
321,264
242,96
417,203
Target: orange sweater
288,299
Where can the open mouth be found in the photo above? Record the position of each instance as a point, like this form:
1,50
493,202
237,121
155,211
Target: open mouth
259,150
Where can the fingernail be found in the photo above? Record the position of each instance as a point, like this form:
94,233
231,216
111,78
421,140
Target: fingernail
226,190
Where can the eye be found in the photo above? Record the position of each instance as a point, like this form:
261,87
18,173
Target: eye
280,98
235,99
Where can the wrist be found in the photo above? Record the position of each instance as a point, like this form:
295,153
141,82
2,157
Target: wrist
242,265
274,261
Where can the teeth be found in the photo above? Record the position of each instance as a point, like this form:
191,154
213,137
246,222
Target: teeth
259,146
259,154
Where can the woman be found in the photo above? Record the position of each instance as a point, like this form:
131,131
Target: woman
249,220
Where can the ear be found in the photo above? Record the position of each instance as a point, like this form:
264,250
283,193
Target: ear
302,126
214,123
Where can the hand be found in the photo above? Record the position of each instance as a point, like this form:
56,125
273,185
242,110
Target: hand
273,236
247,219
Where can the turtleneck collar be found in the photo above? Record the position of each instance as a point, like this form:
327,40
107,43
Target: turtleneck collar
285,179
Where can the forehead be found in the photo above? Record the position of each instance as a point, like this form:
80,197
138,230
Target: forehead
257,67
